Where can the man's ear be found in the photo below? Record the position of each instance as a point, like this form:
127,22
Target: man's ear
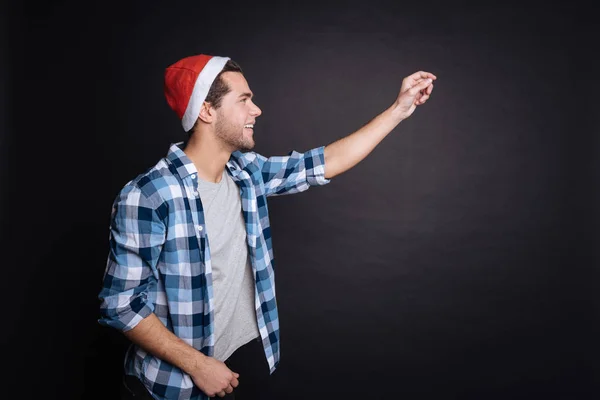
207,113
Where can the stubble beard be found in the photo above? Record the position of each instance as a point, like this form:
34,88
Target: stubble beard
233,136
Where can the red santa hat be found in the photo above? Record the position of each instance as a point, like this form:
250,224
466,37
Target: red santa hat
187,83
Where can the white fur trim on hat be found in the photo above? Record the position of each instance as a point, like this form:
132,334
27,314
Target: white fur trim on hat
200,91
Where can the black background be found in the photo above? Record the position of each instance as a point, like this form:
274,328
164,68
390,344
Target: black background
455,262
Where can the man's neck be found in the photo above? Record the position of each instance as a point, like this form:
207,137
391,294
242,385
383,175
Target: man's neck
208,155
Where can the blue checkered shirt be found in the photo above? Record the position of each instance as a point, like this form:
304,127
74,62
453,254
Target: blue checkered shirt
159,258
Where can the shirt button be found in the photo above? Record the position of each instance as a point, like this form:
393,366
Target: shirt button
195,193
200,228
193,176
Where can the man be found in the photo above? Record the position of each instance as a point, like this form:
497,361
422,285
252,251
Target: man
189,278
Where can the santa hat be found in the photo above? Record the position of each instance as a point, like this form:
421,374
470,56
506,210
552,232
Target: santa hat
187,83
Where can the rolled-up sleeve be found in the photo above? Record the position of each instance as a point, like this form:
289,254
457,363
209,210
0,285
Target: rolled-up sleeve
293,173
136,238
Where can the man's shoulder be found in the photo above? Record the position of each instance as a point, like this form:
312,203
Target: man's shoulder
151,183
243,159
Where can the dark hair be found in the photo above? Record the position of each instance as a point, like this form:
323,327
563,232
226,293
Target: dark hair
219,87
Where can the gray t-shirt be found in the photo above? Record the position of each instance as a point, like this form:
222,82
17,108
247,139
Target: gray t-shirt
233,278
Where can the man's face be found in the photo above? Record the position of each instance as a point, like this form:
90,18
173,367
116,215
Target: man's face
237,114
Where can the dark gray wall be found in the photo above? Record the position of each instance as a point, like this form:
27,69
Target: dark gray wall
454,262
4,112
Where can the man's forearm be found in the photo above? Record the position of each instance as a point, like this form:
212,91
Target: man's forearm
348,151
151,335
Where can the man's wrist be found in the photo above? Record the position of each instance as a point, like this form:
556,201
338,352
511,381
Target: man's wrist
198,363
397,112
187,358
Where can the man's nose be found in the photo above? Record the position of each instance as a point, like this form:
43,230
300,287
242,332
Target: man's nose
257,111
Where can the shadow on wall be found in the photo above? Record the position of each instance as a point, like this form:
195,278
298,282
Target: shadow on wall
103,363
90,355
106,347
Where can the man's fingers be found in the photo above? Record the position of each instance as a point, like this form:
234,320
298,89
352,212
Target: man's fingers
429,89
425,94
422,75
419,86
417,77
234,382
221,394
229,389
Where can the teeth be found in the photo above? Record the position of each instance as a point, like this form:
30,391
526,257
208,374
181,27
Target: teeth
249,126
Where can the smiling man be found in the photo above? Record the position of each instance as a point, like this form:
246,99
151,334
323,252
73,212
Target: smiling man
189,278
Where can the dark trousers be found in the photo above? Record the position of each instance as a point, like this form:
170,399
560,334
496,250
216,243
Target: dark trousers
249,361
255,381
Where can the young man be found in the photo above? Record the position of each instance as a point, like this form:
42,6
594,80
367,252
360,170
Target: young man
189,278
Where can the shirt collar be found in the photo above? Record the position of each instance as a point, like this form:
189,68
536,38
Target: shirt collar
182,163
185,167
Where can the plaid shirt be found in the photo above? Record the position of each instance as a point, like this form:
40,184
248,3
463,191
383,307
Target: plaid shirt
159,258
